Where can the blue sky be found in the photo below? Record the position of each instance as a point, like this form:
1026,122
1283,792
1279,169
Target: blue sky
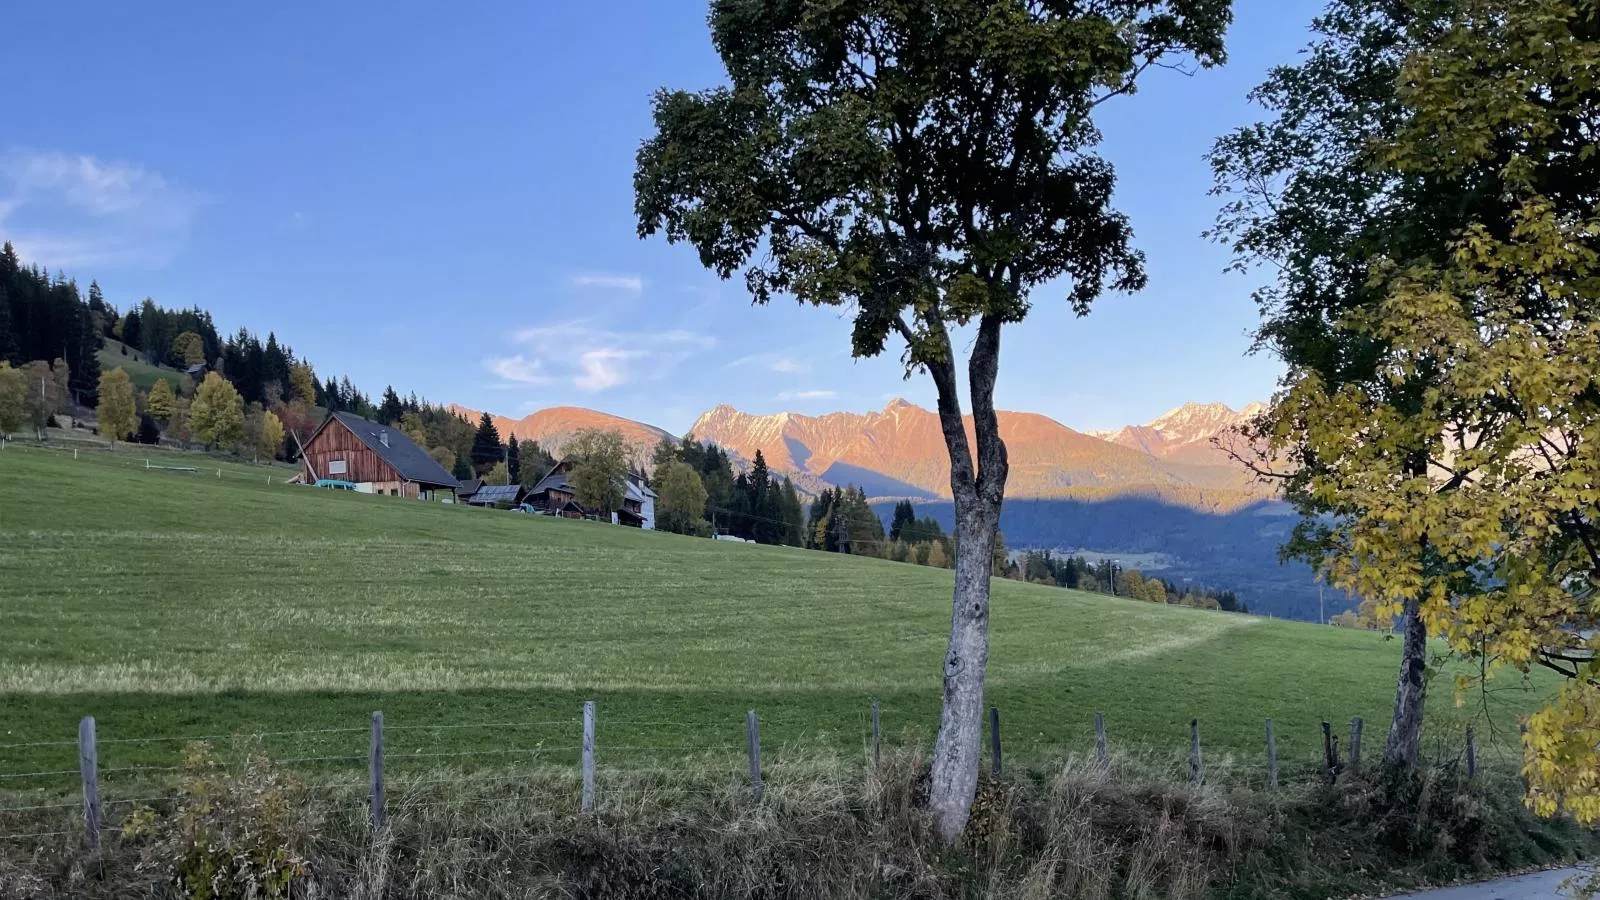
439,196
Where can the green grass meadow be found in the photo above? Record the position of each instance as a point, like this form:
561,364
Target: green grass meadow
142,374
172,605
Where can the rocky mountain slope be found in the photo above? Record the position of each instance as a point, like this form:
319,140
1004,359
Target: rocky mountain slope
899,452
553,428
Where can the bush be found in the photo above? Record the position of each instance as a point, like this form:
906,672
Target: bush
228,835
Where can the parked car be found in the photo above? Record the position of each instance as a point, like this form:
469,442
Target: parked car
335,484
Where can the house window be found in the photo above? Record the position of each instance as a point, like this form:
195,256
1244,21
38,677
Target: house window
336,467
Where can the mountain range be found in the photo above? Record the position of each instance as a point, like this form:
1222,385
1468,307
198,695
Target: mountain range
1164,495
553,428
900,452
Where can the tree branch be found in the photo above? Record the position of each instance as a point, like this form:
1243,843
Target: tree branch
981,371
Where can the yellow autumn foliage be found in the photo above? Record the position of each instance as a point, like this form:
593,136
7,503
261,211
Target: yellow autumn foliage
1499,349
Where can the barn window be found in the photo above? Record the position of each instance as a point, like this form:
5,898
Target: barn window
336,467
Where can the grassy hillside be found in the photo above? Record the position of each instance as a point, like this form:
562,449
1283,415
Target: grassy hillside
173,605
142,374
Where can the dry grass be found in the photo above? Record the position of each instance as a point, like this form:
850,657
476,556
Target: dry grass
831,828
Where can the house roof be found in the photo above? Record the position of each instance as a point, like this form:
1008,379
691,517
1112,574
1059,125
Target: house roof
556,480
469,486
497,493
400,452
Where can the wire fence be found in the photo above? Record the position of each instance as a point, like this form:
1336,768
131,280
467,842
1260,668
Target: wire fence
566,761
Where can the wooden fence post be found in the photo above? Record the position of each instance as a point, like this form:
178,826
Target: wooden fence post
587,802
379,810
1330,750
1100,740
1272,757
89,769
1196,763
1472,754
752,730
994,740
1355,744
876,734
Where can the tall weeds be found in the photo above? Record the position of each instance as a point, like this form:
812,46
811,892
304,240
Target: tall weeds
827,829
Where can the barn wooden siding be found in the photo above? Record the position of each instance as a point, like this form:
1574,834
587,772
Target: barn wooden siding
337,441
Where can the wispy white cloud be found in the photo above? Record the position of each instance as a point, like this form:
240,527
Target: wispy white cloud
591,358
64,209
789,396
519,370
609,281
773,362
601,369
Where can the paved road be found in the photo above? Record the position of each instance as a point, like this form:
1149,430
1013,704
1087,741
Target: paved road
1538,886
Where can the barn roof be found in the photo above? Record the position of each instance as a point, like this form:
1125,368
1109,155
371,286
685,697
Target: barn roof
400,452
497,493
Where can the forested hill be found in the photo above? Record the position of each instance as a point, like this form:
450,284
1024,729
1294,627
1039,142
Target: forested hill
63,337
45,318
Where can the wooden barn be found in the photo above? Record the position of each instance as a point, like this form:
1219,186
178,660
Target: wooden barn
376,458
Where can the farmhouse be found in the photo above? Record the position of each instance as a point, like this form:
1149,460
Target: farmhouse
556,495
376,458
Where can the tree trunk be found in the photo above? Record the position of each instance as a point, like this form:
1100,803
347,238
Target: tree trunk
1404,747
959,748
978,490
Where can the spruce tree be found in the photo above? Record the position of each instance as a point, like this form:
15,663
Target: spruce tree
513,461
486,447
390,411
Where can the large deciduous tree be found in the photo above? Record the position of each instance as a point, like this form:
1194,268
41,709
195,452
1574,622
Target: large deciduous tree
302,382
927,164
681,507
216,415
1510,320
1307,195
271,435
189,349
117,413
13,399
601,466
160,400
1474,431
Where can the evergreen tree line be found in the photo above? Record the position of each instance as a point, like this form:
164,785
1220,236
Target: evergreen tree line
475,452
753,505
841,521
51,335
45,318
1075,572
